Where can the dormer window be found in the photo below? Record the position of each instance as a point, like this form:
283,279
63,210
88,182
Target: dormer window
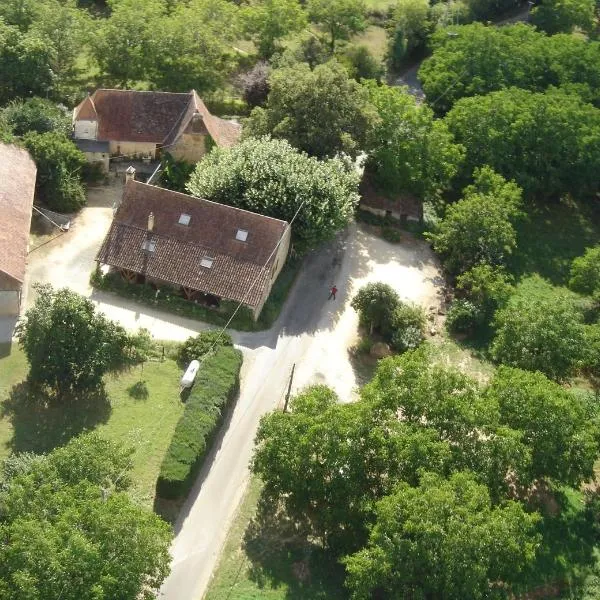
149,245
184,219
241,235
206,262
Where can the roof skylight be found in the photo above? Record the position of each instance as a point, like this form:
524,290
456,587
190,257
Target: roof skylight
241,235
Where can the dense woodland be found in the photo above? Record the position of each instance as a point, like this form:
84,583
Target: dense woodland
433,485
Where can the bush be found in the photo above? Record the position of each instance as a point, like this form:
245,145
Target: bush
463,317
585,272
216,387
376,304
196,347
391,234
361,64
408,327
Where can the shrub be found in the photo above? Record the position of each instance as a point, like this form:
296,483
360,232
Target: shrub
585,272
375,304
216,387
408,327
361,63
196,347
391,234
463,317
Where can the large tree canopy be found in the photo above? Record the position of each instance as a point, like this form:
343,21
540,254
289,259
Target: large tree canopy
409,151
272,178
67,534
478,229
322,112
69,346
562,16
471,60
549,144
338,18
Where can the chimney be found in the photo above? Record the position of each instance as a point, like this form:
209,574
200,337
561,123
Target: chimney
129,174
151,222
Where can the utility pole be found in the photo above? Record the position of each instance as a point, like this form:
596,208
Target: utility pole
287,396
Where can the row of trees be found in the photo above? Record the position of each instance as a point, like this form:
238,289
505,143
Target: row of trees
426,487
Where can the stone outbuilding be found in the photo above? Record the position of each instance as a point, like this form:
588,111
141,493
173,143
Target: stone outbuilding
143,125
17,187
205,250
403,207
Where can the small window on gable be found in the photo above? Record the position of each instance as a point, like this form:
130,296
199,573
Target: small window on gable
184,219
149,244
206,262
241,235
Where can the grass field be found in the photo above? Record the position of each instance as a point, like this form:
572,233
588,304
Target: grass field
375,39
140,407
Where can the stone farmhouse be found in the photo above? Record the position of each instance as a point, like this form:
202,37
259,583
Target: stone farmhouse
207,251
145,124
17,186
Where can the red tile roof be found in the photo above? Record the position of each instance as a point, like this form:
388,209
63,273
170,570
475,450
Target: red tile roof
179,249
17,186
154,117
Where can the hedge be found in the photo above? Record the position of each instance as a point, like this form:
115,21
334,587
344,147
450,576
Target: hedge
215,388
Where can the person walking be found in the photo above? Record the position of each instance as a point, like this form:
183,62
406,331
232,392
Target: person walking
332,292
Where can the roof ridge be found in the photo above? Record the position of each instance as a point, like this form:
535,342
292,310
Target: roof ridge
140,91
190,197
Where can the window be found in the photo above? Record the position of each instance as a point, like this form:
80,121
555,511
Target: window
206,262
149,244
184,219
241,235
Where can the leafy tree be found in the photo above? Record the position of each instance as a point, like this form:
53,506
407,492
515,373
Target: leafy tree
555,424
67,536
69,346
540,329
409,151
585,272
255,84
25,64
409,30
175,173
339,18
124,44
591,362
408,327
562,16
307,49
464,316
272,178
470,60
192,48
376,304
268,21
443,539
361,63
36,114
479,229
486,10
59,163
321,112
196,347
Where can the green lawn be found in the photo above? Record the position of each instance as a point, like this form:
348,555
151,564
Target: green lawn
142,415
255,565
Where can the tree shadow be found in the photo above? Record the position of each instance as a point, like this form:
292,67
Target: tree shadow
281,554
138,391
41,422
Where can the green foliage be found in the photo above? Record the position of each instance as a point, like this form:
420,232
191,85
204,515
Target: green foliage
408,327
448,530
255,84
409,151
540,329
214,390
375,304
474,59
555,425
194,348
409,30
175,173
548,141
59,163
36,114
272,178
322,112
391,234
69,346
339,19
361,64
268,21
463,316
585,272
562,16
478,229
68,534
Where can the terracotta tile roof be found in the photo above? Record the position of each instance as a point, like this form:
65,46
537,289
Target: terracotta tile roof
179,249
17,186
154,117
